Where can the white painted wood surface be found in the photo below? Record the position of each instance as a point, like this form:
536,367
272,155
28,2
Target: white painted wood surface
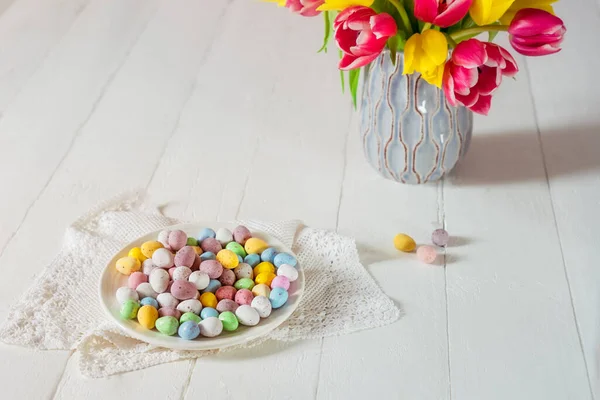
200,102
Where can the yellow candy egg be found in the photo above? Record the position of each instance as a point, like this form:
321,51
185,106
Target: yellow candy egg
148,248
255,246
265,277
147,316
261,290
228,259
208,299
128,265
264,266
136,252
197,249
404,243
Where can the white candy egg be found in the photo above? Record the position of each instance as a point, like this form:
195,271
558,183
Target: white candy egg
200,279
126,293
181,273
262,305
191,305
145,290
247,315
167,300
243,271
163,237
163,258
288,271
148,266
159,280
224,236
211,327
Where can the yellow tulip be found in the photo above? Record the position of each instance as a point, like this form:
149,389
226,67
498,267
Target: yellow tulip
340,5
426,53
485,12
545,5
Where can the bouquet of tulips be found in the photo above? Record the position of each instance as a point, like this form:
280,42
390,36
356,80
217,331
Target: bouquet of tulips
438,38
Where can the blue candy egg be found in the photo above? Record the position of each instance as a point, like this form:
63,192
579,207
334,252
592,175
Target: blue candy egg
212,287
189,330
208,256
284,258
278,297
208,312
252,259
206,233
240,259
149,301
268,255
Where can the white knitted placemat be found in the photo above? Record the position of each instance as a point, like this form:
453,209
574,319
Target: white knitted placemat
340,296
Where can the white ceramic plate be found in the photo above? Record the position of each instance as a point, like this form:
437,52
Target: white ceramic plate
111,280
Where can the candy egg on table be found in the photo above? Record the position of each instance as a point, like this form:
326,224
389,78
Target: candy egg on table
212,268
243,270
163,237
147,316
167,300
189,316
128,265
440,237
241,234
189,330
404,243
243,296
427,254
126,293
163,258
169,311
252,259
183,290
281,282
129,309
208,255
285,258
278,297
262,305
255,246
185,257
228,259
206,233
192,241
268,255
225,292
167,325
237,249
212,245
159,280
265,277
181,273
177,239
145,290
199,279
227,277
229,320
264,266
149,301
208,299
191,305
261,290
227,305
208,312
244,283
247,315
148,266
136,252
224,236
288,271
211,327
148,248
212,287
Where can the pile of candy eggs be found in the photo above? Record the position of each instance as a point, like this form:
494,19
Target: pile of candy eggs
205,285
425,253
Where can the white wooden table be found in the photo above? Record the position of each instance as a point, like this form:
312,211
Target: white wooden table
224,109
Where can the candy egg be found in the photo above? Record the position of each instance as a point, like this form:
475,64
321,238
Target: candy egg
427,254
212,245
209,255
227,277
226,292
148,266
281,282
163,237
136,252
285,258
147,316
135,279
145,290
167,325
244,283
183,290
227,305
196,264
159,280
211,327
265,277
237,249
185,257
252,259
162,258
243,270
404,243
205,233
268,255
199,279
264,266
189,330
212,268
212,287
255,246
208,299
240,259
177,239
149,301
126,293
224,236
169,311
181,273
278,297
197,249
261,290
228,259
189,316
148,248
229,320
262,305
243,296
241,234
167,300
128,265
440,237
192,241
288,271
247,315
208,312
129,309
191,305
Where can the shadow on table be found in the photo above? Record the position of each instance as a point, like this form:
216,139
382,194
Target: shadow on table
500,158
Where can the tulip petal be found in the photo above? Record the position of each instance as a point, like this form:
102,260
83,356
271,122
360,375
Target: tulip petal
464,79
470,53
469,99
426,10
410,51
345,39
531,21
511,68
455,11
383,25
340,5
435,45
486,12
349,61
489,80
448,86
483,105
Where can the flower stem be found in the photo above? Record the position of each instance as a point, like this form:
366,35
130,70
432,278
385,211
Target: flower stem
426,26
458,35
403,16
451,41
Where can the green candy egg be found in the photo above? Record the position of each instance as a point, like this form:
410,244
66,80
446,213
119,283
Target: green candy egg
167,325
192,241
236,248
229,320
244,283
189,316
129,309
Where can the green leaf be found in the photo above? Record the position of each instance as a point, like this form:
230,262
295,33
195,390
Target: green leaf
353,83
468,22
327,34
392,44
492,35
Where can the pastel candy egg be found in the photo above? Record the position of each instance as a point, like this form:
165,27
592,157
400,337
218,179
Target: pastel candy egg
147,316
211,327
149,301
244,283
183,290
192,241
240,259
167,325
129,309
163,237
237,249
227,277
189,316
126,293
268,255
280,282
181,273
135,279
224,236
162,258
197,249
285,258
128,265
264,266
199,279
247,315
288,271
261,290
212,268
228,259
136,252
205,233
255,246
243,270
226,292
148,248
148,266
191,305
404,243
243,296
265,277
262,305
189,330
427,254
196,264
227,305
208,312
252,259
159,280
212,245
229,320
177,239
278,297
208,256
167,300
440,237
212,287
169,311
145,290
208,299
185,257
241,234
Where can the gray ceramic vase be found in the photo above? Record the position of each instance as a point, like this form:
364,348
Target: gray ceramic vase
410,133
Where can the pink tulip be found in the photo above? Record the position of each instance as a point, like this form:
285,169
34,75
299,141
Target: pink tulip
536,32
361,34
306,8
474,72
443,13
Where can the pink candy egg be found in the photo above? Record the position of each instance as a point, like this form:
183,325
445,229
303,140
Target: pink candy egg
185,257
177,239
426,254
280,281
212,268
226,292
244,296
169,312
227,305
183,290
227,277
212,245
135,279
241,234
